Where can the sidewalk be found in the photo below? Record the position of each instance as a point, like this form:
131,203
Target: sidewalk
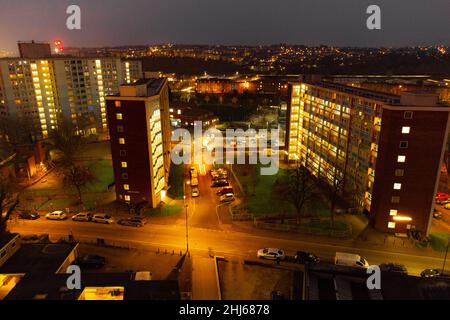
204,284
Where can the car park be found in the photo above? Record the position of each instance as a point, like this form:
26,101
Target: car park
306,257
102,218
90,261
82,216
195,192
229,197
271,254
133,222
29,215
56,215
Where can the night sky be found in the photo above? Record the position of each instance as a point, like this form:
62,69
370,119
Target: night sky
252,22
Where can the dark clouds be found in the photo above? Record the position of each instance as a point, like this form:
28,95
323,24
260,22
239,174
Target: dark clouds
311,22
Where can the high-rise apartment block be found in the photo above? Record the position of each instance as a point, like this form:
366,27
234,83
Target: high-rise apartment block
35,93
382,152
139,128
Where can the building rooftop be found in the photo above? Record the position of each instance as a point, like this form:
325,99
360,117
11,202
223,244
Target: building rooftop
38,258
141,88
53,287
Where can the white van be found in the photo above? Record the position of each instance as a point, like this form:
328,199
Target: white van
350,260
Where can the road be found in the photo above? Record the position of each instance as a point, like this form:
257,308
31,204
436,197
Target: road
231,244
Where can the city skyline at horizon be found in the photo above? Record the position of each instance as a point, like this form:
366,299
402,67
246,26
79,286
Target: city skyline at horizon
202,22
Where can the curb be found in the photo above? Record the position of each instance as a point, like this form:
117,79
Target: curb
219,290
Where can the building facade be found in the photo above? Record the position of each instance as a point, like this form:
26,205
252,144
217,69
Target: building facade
381,151
139,127
36,93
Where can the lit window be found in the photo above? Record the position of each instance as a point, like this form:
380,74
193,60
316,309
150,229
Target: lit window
126,187
393,212
399,172
391,225
121,141
124,164
119,116
179,111
397,186
117,104
406,130
401,159
127,198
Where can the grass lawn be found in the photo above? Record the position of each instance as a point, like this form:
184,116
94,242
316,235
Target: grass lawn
176,182
439,241
104,175
261,198
165,211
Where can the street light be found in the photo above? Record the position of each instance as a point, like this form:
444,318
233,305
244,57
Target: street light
186,210
445,258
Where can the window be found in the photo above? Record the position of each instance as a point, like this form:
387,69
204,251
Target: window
395,199
119,116
120,129
391,225
393,212
401,159
125,176
406,130
403,144
397,186
399,172
408,115
121,141
126,187
127,198
117,104
122,153
124,164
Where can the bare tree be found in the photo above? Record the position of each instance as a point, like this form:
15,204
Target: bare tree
67,142
334,191
77,177
298,188
9,200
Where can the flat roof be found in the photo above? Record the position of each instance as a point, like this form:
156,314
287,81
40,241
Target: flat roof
38,258
6,238
53,287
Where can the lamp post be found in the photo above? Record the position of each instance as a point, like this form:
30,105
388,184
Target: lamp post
186,210
445,257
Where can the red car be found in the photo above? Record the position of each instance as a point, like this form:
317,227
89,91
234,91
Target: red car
440,196
225,191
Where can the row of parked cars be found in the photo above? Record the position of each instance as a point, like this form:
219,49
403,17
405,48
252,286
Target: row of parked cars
345,259
220,180
84,217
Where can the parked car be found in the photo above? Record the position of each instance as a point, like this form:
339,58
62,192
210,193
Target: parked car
90,261
82,216
229,197
350,260
194,182
440,196
56,215
393,267
133,222
225,190
437,214
195,192
29,215
306,257
430,273
271,254
443,201
102,218
220,183
447,206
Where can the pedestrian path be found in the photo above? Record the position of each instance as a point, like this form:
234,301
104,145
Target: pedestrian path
204,283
